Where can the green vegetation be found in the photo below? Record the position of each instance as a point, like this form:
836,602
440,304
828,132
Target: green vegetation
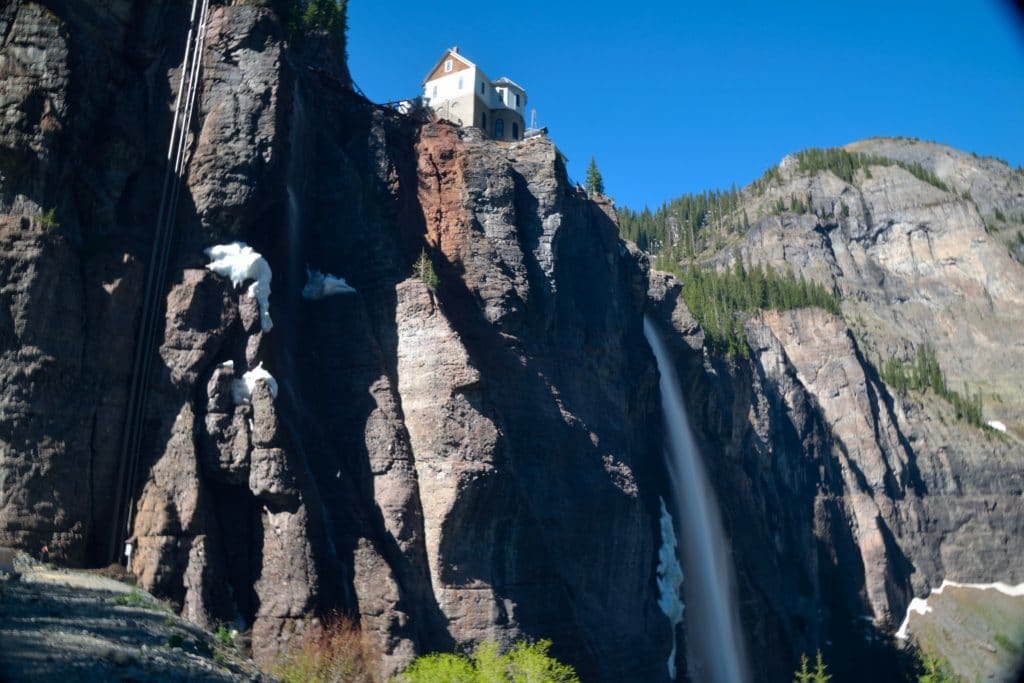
934,670
924,374
717,298
595,183
805,675
522,663
846,164
225,636
1000,216
305,18
1003,641
47,220
332,652
686,225
424,270
132,599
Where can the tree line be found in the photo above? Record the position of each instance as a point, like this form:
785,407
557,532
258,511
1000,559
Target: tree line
923,373
717,299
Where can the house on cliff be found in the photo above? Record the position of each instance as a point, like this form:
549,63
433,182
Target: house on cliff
457,90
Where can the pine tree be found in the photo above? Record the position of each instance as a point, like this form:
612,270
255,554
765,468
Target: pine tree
595,183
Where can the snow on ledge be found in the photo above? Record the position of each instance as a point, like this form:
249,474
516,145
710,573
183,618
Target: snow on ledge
670,578
319,285
997,425
239,263
920,605
241,389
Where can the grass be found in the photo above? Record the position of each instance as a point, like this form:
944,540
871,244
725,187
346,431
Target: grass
47,220
132,599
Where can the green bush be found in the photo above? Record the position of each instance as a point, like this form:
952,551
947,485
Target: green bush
805,675
424,270
934,670
47,220
304,18
522,663
225,636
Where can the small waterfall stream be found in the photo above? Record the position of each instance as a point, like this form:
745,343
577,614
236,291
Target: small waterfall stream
296,153
715,651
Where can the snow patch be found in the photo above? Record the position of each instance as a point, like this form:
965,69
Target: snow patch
319,285
921,606
997,425
670,578
241,389
239,263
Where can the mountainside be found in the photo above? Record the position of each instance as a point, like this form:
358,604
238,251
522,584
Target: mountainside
470,449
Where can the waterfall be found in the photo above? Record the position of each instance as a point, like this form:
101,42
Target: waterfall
296,154
714,642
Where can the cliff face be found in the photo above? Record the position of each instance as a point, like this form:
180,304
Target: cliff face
450,465
852,498
481,459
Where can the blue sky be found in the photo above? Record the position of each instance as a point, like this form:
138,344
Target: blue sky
675,97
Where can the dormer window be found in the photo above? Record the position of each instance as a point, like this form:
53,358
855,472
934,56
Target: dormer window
448,66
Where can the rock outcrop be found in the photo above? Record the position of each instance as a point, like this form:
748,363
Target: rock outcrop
480,457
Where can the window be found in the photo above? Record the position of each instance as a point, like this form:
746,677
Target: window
483,88
433,96
517,99
483,120
515,130
499,128
447,66
460,82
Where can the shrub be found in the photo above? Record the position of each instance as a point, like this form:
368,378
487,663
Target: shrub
225,636
334,651
805,675
304,18
132,599
424,270
523,662
934,669
47,220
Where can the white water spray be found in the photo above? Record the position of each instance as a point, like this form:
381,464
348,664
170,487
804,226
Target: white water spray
714,642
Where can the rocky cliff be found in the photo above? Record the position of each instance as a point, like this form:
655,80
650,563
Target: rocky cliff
480,459
450,464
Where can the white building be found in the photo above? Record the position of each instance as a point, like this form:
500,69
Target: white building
458,91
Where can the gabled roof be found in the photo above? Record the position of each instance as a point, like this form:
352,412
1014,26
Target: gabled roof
452,52
508,81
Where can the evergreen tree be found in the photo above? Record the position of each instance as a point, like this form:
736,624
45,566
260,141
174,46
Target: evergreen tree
595,183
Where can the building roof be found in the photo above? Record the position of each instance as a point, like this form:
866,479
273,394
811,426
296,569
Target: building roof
508,81
450,52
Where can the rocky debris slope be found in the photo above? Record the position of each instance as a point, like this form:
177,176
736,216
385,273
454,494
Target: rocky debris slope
60,625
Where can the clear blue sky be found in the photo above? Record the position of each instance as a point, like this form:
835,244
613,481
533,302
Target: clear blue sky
679,96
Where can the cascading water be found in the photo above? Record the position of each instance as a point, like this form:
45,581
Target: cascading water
292,185
715,650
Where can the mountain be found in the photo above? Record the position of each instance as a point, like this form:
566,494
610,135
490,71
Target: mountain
474,454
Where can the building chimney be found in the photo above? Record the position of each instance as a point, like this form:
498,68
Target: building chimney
455,49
